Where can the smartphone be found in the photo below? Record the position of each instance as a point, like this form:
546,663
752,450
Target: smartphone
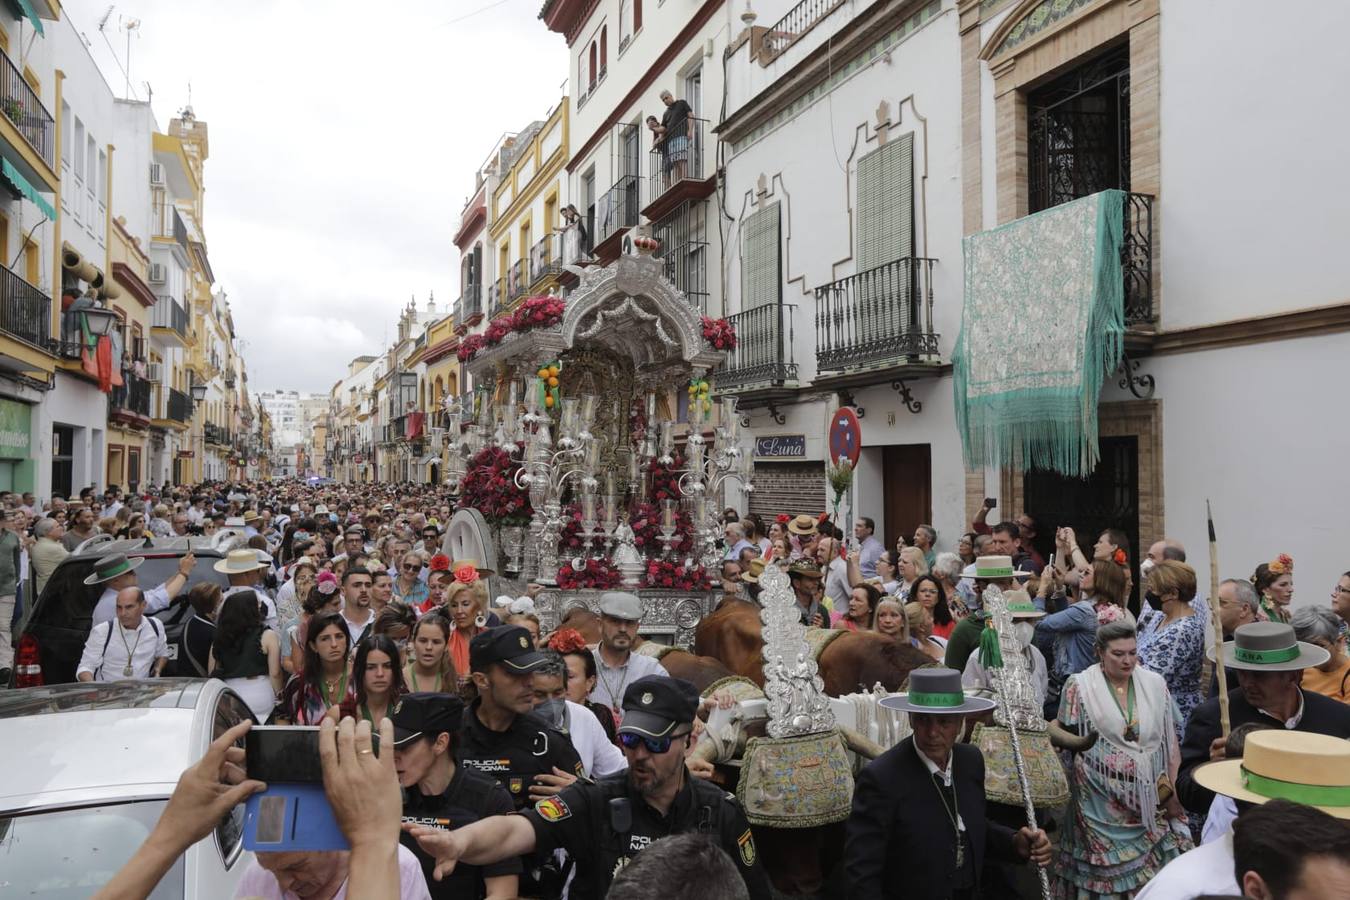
293,813
990,502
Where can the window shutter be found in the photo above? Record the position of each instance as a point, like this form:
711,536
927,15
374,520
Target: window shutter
760,282
884,296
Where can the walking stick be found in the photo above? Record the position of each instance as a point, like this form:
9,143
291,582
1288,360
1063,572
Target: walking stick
1219,674
991,657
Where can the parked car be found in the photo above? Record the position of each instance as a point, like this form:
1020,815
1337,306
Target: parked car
70,818
53,631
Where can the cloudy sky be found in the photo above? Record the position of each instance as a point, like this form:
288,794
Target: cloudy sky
344,138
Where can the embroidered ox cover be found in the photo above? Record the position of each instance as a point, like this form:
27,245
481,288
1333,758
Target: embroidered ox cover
1041,327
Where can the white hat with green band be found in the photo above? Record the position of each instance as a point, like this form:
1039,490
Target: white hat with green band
938,691
1270,647
996,568
1307,768
109,567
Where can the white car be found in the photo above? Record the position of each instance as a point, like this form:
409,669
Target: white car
87,771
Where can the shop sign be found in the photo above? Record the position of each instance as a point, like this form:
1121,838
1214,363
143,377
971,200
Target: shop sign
781,446
15,429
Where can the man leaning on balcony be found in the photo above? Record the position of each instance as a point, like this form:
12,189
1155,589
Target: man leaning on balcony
675,123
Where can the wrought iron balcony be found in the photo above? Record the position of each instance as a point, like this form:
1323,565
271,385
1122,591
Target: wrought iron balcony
763,357
25,312
471,300
496,297
130,403
179,406
877,318
171,315
21,105
516,280
1137,262
783,33
545,257
675,160
616,211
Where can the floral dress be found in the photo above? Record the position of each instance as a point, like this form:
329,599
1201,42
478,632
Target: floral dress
1177,653
1106,850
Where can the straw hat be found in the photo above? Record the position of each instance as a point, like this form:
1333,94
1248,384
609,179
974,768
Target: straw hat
1269,647
937,691
805,568
1021,607
803,525
755,570
237,562
1307,768
996,568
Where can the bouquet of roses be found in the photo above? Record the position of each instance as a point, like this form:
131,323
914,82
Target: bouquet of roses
666,479
538,312
498,329
469,347
489,486
719,333
646,525
679,576
571,538
579,573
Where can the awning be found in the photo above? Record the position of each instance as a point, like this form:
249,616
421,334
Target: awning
13,176
26,8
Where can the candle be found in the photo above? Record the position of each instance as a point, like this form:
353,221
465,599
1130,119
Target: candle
634,467
609,483
587,411
611,505
588,506
532,399
700,510
514,395
592,455
651,407
569,416
667,513
667,438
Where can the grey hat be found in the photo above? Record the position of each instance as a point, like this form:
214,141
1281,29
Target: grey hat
620,605
938,691
1269,647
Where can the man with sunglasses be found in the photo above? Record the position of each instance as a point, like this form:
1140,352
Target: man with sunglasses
602,826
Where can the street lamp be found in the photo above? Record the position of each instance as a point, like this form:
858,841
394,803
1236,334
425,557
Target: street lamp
198,392
100,320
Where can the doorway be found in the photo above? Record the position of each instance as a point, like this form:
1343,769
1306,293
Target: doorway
63,460
908,490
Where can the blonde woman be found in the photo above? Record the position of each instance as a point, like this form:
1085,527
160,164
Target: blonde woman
911,566
920,622
890,619
466,604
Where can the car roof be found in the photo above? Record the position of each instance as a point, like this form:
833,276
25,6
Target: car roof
158,547
94,743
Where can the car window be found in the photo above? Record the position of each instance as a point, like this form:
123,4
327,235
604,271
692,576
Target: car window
69,854
230,711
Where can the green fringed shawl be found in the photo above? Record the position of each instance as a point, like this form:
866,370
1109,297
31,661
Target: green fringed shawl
1041,328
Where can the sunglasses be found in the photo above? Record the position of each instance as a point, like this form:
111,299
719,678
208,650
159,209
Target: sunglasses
412,567
654,745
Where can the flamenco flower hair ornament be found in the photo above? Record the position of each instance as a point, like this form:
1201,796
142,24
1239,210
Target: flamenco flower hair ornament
1282,564
1119,557
440,563
326,584
466,574
783,518
566,640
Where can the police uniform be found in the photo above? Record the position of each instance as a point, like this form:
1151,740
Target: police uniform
529,747
602,826
468,797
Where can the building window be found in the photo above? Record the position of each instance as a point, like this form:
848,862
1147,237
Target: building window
1078,132
590,78
761,279
604,49
684,250
886,204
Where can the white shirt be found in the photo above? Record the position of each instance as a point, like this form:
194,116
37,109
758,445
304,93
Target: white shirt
1292,722
270,619
945,775
836,583
146,643
1208,869
599,757
354,629
1219,822
611,682
977,676
260,884
106,609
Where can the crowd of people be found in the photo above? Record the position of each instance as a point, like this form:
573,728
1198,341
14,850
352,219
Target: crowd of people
535,763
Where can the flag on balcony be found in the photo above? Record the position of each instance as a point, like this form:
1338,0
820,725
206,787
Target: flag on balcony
413,425
1042,326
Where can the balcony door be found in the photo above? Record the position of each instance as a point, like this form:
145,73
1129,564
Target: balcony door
885,298
907,490
630,170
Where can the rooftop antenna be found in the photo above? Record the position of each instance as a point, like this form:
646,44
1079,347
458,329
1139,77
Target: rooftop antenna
129,25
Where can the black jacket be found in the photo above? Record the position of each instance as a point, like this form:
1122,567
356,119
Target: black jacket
1321,715
900,843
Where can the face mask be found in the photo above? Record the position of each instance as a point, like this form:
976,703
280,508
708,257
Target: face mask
1153,599
1024,632
1144,568
554,712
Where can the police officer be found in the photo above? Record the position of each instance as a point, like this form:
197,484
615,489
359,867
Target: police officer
440,795
502,738
603,826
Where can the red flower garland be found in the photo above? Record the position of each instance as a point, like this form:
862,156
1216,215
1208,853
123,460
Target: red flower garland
663,573
533,312
498,329
595,573
666,479
719,333
646,521
490,487
469,347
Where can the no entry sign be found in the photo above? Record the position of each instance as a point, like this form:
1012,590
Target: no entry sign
845,437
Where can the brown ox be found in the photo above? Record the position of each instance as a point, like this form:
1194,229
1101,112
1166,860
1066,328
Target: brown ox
701,671
852,662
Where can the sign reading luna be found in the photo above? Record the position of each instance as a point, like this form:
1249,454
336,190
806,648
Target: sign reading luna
781,446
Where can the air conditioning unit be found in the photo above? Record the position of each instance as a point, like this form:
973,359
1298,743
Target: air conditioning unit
158,274
156,174
154,372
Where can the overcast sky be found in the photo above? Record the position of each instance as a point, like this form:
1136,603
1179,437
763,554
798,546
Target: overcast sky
344,139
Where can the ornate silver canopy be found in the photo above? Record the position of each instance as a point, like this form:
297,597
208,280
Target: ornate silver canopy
797,701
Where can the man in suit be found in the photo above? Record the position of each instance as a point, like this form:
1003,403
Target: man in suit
918,828
1269,661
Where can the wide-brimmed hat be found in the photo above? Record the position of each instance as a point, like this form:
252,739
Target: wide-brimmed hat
1269,647
937,691
250,515
237,562
752,573
109,567
802,525
1312,769
1021,607
805,568
996,568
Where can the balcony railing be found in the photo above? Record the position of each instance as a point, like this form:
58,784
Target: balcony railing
677,157
169,313
794,24
132,397
25,312
179,406
763,356
516,280
471,300
496,297
617,209
1137,261
21,105
881,316
545,257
